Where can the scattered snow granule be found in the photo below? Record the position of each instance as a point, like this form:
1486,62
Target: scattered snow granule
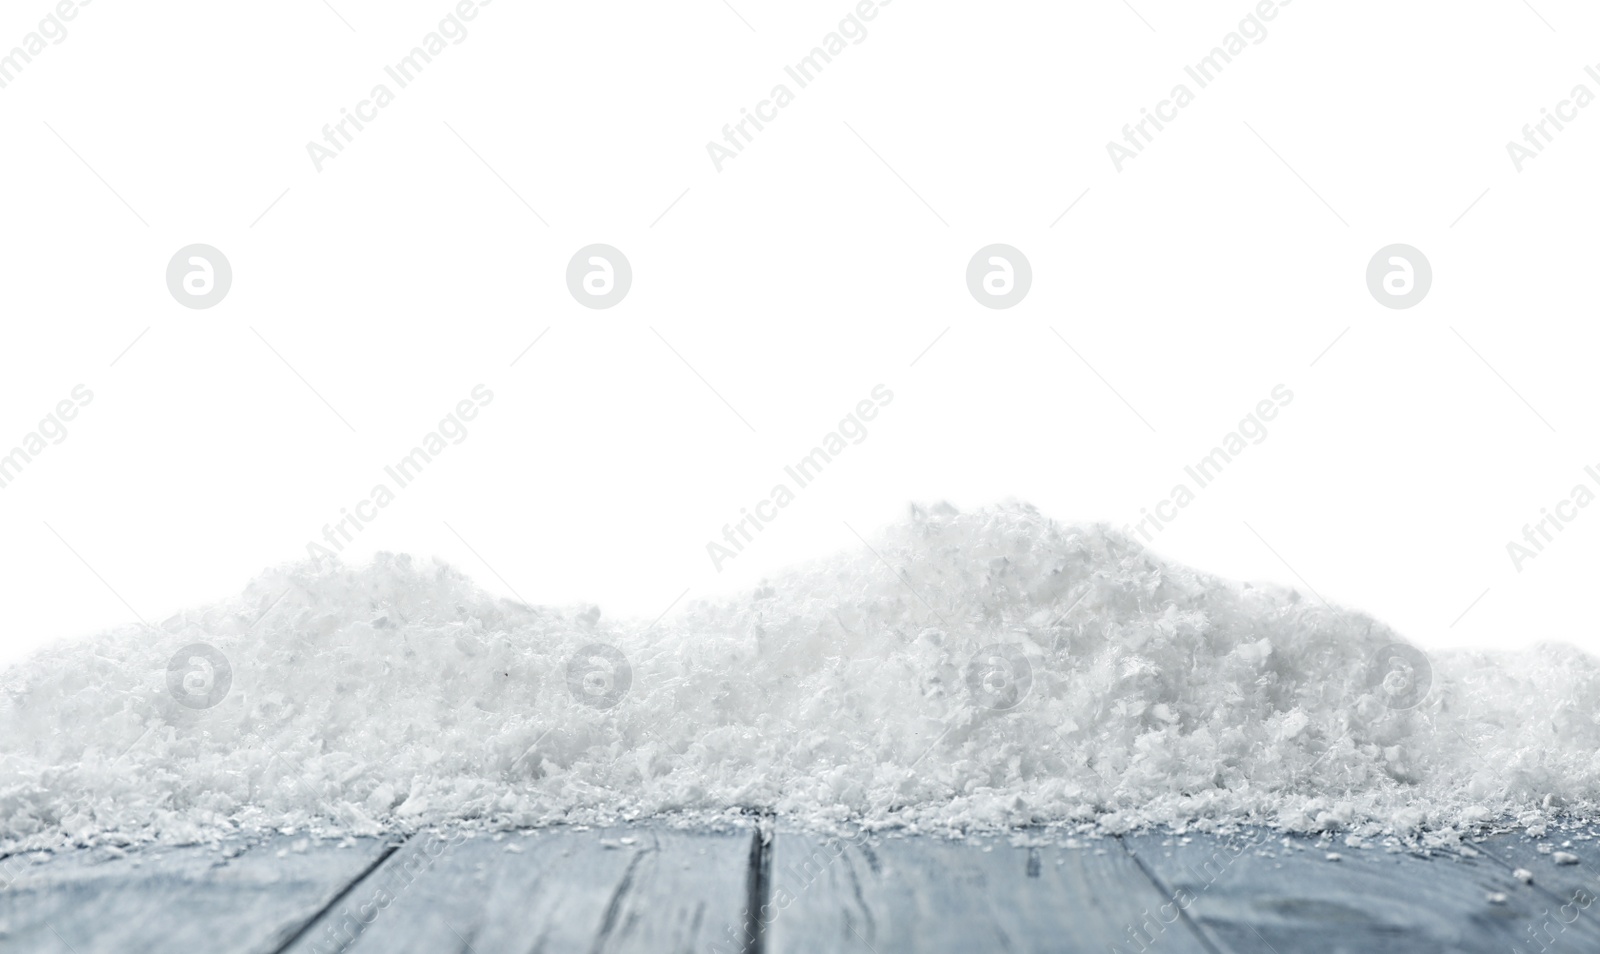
1334,856
1564,858
1495,897
1523,875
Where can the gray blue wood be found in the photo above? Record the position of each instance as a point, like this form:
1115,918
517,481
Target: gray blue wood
658,889
556,890
1262,892
893,895
241,897
1572,891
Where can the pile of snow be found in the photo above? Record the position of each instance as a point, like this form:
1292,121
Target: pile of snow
967,671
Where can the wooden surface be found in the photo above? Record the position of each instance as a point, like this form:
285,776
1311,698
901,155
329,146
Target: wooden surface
1259,893
925,894
627,890
661,890
1571,890
179,899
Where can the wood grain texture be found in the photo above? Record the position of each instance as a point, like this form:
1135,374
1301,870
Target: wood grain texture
657,889
933,895
1571,890
241,897
651,890
1262,893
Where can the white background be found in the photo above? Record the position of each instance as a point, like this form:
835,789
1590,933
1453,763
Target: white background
793,281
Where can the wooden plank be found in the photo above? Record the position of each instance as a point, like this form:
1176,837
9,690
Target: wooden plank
1571,890
933,895
554,890
1262,892
656,889
242,896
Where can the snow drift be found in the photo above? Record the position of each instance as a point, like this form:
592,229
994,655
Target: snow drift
978,670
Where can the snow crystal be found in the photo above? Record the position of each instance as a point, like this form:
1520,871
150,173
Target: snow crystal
968,671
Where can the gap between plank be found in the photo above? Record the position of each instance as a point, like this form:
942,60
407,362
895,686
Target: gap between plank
758,883
608,921
333,902
1167,895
